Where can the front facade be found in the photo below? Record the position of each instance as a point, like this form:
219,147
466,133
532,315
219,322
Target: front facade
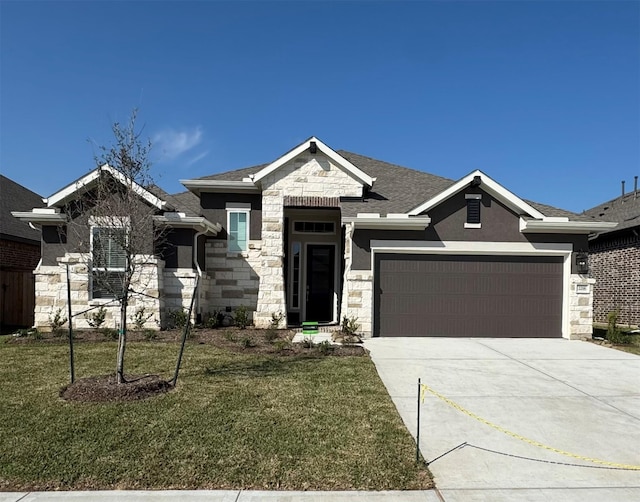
319,235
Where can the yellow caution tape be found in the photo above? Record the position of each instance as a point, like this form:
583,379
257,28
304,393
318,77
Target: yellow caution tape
425,388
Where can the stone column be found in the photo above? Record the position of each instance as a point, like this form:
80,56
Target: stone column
581,307
271,298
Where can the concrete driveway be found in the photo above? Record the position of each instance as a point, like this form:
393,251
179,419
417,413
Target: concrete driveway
574,396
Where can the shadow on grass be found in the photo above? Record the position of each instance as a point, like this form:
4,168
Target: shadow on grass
262,367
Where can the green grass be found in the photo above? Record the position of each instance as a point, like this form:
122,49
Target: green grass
234,421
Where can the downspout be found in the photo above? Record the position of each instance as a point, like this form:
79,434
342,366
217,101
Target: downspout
199,272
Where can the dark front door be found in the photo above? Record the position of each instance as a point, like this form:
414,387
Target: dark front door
320,282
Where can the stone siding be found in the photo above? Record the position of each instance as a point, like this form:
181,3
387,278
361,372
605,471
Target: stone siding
580,307
51,294
305,176
615,265
232,279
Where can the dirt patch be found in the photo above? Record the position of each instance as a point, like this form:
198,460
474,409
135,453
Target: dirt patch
103,389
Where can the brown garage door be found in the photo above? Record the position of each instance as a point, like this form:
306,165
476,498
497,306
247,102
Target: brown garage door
475,296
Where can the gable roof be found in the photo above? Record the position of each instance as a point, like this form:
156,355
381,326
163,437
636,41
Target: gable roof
15,197
312,143
488,185
68,193
625,210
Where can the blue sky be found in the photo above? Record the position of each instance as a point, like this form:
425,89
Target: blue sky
543,96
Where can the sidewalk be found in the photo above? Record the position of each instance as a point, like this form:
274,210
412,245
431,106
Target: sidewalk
219,496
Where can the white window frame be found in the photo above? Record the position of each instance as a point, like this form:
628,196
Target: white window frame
105,222
238,207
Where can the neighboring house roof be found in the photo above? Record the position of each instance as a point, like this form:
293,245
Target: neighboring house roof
625,210
15,197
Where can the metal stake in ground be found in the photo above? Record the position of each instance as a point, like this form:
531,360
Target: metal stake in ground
418,425
73,377
174,380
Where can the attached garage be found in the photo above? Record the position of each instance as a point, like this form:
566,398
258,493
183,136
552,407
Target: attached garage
468,295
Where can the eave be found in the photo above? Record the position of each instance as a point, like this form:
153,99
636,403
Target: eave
40,218
565,227
198,186
200,223
390,222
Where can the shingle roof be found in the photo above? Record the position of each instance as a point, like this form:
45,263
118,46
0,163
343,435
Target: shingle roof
15,197
397,189
624,209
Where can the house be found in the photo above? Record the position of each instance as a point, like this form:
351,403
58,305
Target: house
320,234
614,259
19,255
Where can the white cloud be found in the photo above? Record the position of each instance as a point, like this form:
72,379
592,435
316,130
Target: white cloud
171,143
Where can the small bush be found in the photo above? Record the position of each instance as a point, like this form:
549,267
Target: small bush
308,343
228,335
213,321
282,345
96,318
178,318
614,334
241,317
57,320
270,335
324,347
247,343
140,318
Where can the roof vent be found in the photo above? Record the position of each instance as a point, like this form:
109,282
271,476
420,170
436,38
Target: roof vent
313,147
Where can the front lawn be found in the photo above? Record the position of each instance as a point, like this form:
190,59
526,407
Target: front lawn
235,420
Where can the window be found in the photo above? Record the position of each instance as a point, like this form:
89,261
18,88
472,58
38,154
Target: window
108,261
314,227
238,227
473,210
295,276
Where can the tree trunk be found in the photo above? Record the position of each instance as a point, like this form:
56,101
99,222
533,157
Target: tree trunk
122,341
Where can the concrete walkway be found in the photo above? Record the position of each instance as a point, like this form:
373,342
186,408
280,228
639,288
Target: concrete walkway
219,496
575,396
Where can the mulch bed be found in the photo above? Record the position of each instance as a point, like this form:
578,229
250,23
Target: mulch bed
103,389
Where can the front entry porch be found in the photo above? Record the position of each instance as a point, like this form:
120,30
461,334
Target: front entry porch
312,265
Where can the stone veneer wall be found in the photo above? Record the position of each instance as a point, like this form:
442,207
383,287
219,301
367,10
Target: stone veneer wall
179,285
232,279
615,265
51,294
357,289
305,176
580,308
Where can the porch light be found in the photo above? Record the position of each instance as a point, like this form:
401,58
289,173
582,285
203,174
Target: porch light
582,262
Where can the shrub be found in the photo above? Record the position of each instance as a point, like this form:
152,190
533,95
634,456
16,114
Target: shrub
96,318
272,331
241,317
228,335
57,320
141,317
324,347
308,343
247,343
270,335
178,318
213,321
614,335
282,345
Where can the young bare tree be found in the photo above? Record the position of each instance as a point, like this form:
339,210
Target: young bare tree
111,223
